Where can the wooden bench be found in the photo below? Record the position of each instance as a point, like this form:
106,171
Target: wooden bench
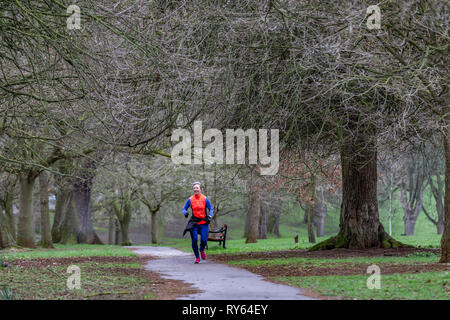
218,235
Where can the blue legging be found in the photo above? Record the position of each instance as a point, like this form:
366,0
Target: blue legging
203,230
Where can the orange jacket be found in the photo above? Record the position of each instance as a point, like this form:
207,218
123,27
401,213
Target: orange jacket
198,204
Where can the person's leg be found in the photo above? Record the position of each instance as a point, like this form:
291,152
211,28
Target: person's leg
194,237
204,229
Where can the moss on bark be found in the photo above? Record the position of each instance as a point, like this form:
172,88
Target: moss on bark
341,241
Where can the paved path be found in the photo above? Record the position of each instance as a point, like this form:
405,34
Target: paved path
217,281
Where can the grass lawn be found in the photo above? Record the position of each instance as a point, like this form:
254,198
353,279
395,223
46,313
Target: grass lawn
67,251
342,274
417,286
239,245
106,272
326,263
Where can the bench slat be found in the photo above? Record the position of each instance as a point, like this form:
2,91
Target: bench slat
219,235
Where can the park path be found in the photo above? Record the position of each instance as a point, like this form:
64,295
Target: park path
217,281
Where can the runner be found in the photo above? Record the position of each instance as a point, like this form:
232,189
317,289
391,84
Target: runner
199,222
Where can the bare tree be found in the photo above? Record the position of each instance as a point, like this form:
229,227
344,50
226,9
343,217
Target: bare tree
412,188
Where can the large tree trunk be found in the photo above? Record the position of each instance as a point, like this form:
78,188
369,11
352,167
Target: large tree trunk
46,235
123,213
58,217
360,226
253,226
125,225
25,236
82,196
71,224
445,241
7,225
64,199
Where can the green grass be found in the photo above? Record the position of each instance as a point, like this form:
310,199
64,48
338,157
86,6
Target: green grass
65,251
98,279
50,283
239,245
430,240
412,259
418,286
284,243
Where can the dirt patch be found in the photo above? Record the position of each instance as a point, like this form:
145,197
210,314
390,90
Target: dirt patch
325,254
168,289
156,287
67,261
344,269
337,269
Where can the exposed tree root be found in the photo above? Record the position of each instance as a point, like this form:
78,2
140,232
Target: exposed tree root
341,241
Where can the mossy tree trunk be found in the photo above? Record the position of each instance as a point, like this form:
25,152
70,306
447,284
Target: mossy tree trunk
360,226
65,223
46,235
71,225
7,225
25,230
123,212
59,216
445,240
82,197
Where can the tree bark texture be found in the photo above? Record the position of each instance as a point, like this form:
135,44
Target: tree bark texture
7,225
82,196
411,196
25,230
445,240
46,235
360,226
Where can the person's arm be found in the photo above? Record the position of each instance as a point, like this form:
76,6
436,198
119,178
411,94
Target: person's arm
186,207
210,209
